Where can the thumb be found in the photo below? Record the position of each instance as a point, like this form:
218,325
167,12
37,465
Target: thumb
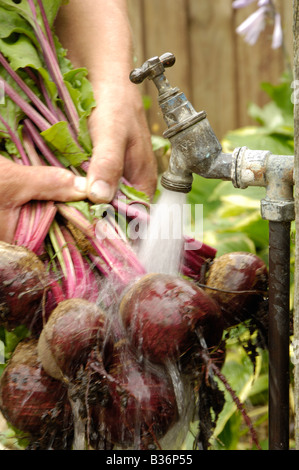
25,183
105,170
56,184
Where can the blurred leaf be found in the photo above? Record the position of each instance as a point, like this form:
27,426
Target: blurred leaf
159,143
248,197
147,102
260,385
272,118
238,369
12,338
200,193
202,189
14,439
229,242
280,95
258,138
83,207
133,194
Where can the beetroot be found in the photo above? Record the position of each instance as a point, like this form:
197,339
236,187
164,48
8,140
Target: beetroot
73,329
30,400
238,282
164,314
23,284
138,405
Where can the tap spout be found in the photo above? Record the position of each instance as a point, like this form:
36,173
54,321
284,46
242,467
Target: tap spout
195,149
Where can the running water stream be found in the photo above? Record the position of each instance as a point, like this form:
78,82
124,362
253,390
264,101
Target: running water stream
161,248
161,251
79,426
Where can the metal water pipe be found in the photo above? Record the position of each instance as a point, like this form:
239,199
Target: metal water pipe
296,175
196,149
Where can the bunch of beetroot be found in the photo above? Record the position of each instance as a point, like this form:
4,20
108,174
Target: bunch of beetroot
110,356
94,369
82,352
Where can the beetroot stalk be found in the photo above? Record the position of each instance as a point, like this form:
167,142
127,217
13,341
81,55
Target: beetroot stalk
29,147
57,113
53,274
86,285
110,246
54,69
75,217
212,366
36,216
33,213
29,212
106,235
100,264
34,115
130,209
116,269
119,257
46,25
23,225
43,224
16,141
33,224
64,257
43,109
77,277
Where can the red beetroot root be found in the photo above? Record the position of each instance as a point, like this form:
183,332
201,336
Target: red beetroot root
31,400
163,315
74,327
139,405
232,276
23,284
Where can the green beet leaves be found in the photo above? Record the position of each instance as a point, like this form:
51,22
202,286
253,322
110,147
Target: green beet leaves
28,56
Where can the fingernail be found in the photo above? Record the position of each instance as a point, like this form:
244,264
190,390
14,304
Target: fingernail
80,184
101,191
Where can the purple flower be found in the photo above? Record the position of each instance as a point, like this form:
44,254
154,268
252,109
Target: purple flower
242,3
262,3
253,26
277,38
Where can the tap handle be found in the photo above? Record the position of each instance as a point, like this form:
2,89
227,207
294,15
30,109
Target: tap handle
152,68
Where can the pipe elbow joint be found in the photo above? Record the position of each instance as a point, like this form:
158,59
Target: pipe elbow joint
274,172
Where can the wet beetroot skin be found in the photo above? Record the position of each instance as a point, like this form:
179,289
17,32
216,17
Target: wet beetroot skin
164,314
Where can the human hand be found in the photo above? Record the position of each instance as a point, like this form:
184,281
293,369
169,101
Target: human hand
20,184
121,143
98,36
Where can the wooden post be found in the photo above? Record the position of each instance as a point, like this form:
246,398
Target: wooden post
296,194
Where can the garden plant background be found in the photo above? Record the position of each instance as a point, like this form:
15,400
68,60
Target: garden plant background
260,31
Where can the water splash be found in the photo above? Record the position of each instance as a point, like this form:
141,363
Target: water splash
184,392
79,442
161,248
